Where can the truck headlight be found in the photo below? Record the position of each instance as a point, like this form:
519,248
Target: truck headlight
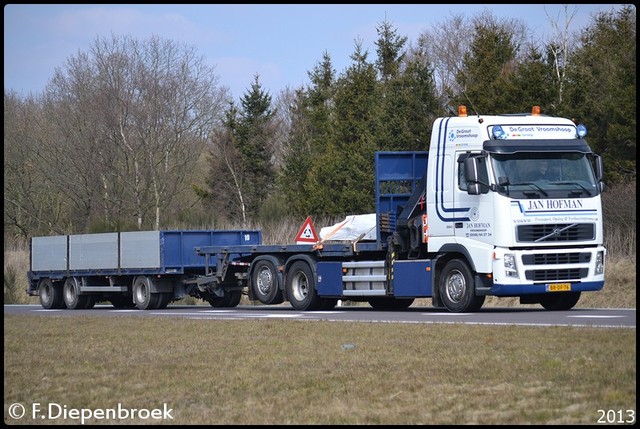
600,263
510,268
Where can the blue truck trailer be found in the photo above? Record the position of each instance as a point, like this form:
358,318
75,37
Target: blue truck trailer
470,218
144,269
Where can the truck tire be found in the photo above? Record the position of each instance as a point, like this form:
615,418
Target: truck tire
50,294
164,299
143,298
216,301
301,288
91,302
265,283
560,301
72,298
456,288
231,298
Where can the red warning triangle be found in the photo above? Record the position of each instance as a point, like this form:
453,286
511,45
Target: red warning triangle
307,233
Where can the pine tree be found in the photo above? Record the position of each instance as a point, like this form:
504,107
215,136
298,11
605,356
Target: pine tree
487,67
602,90
242,172
255,143
408,101
534,84
311,134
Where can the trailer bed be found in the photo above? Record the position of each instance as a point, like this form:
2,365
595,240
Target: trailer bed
134,252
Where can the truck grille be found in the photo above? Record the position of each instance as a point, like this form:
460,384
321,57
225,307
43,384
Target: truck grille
556,274
557,258
555,232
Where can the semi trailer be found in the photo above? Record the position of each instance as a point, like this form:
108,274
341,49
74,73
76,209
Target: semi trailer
500,205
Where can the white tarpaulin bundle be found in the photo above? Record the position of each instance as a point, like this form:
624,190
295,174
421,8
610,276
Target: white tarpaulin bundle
351,229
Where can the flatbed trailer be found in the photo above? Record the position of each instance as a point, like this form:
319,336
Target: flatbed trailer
147,269
315,276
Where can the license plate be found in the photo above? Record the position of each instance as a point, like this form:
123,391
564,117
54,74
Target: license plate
559,287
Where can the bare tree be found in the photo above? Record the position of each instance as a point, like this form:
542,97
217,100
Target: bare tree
445,45
229,179
76,148
138,114
448,41
561,45
31,203
282,126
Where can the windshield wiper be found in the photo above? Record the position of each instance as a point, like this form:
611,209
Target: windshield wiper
574,183
531,184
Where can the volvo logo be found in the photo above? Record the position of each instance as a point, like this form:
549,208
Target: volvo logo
556,232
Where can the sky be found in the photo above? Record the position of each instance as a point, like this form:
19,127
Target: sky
279,43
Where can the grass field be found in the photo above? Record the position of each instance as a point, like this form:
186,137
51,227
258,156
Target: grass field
294,372
298,372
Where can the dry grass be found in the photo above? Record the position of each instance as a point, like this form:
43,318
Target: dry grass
619,290
295,372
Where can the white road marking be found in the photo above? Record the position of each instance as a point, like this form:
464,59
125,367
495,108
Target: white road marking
594,316
228,313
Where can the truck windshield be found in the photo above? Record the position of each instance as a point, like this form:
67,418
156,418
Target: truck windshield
544,175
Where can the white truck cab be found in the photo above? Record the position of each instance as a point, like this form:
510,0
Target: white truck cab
516,199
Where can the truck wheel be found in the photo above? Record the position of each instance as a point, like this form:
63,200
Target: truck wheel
216,301
301,288
265,283
142,296
229,299
232,299
456,288
560,301
50,295
164,299
72,298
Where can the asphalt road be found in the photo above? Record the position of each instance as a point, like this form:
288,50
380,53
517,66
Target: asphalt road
603,317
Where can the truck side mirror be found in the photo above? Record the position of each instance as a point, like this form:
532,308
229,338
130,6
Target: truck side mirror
599,167
476,173
473,188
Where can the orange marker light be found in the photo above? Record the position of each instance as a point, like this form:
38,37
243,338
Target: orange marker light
462,111
535,111
425,229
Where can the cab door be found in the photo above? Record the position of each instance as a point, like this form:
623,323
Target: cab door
475,211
